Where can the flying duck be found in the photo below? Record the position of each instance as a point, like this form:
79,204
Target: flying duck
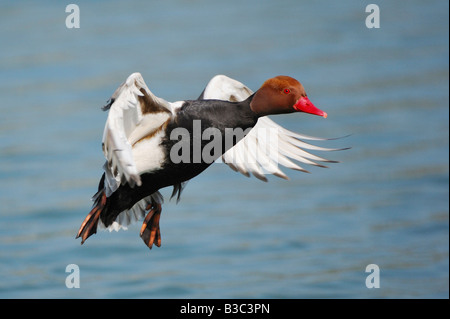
150,144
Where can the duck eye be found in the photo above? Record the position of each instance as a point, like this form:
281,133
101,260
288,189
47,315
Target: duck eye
287,91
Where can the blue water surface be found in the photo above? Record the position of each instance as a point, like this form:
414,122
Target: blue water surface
386,203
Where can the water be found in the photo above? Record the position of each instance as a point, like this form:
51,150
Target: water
231,237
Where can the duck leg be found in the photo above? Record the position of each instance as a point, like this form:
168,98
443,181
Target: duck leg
89,225
150,232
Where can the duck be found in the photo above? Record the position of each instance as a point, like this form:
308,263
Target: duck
150,143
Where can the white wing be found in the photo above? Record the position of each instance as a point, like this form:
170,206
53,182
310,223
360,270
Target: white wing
131,143
267,145
134,112
224,88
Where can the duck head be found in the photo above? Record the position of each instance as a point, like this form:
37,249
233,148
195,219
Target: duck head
280,95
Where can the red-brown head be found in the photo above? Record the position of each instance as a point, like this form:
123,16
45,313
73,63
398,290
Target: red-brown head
282,94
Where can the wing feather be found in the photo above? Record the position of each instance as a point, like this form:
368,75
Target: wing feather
134,112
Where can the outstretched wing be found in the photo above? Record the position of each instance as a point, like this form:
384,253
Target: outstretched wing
267,145
134,112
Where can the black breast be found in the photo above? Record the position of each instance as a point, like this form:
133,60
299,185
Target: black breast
202,131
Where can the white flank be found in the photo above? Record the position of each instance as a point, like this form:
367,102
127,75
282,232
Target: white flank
148,154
